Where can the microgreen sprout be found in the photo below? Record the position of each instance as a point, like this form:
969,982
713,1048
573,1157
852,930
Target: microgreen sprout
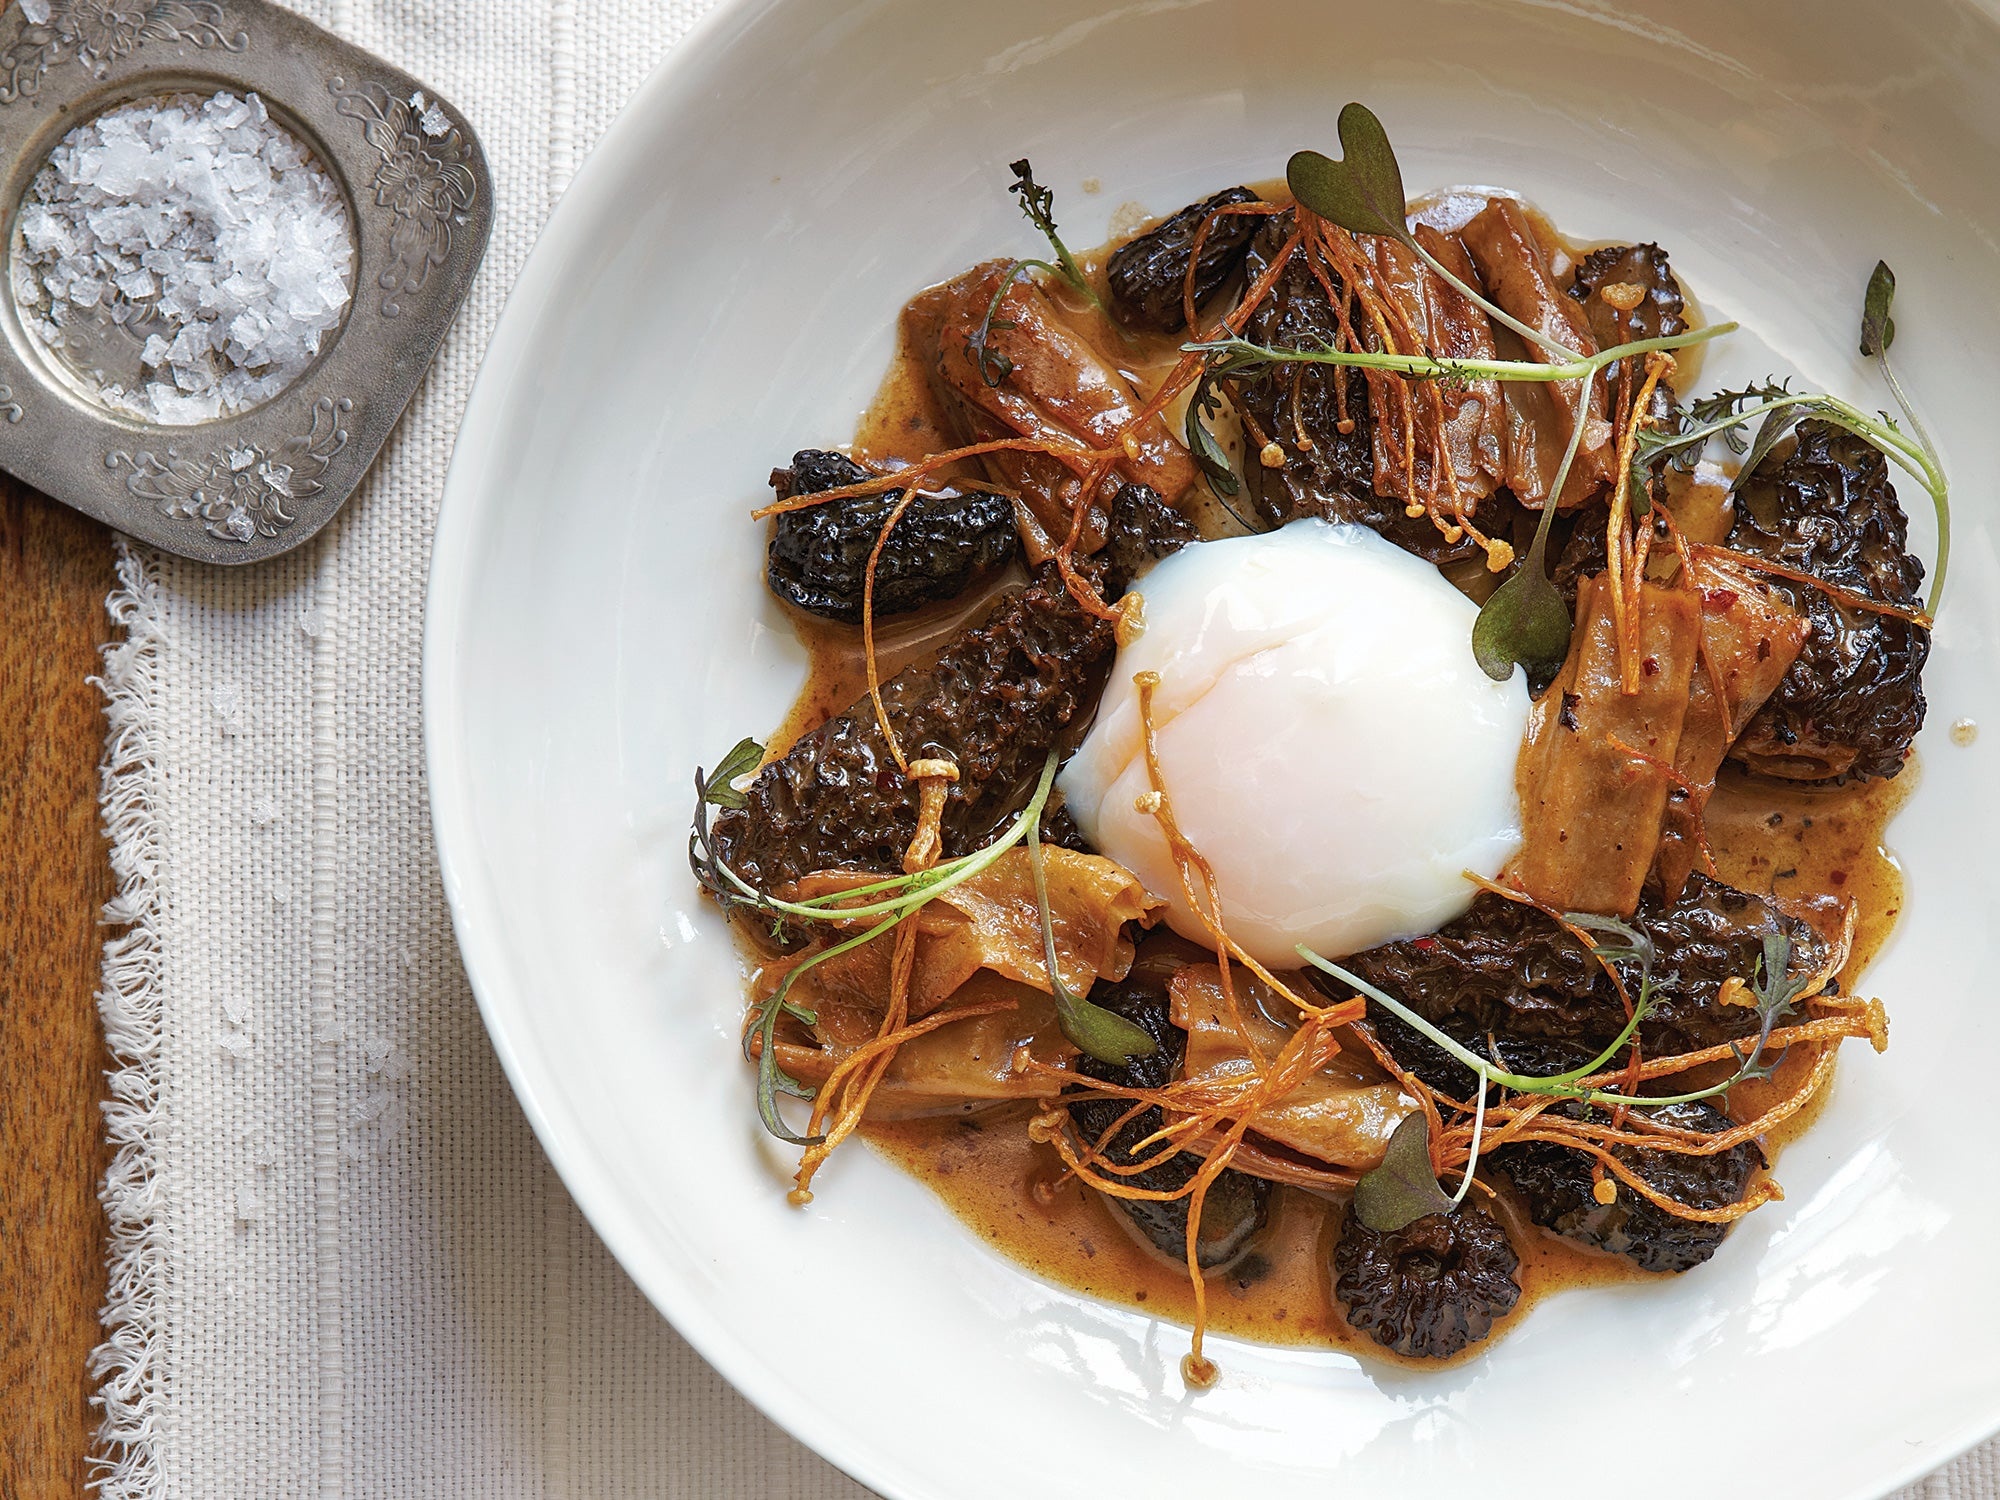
719,790
1039,204
1525,619
1363,194
1404,1188
1777,410
902,894
1878,332
994,366
1239,354
773,1080
1775,991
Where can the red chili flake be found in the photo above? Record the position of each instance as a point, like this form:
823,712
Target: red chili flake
1650,666
1425,945
1715,601
1839,877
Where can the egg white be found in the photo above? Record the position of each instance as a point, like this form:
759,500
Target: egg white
1327,740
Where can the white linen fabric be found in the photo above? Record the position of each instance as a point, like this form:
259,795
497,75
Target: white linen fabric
340,1264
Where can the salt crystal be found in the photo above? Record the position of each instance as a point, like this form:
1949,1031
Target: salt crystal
227,700
435,122
37,11
218,222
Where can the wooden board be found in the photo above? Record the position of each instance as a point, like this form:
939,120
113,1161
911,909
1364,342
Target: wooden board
55,569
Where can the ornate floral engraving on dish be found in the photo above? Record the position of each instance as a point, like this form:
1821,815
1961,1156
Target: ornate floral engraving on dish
98,33
423,180
241,492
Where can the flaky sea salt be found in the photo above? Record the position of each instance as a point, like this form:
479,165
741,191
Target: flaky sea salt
184,257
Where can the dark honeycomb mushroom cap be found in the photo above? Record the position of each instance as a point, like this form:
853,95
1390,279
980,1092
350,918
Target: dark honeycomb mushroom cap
1148,274
1556,1185
1430,1289
941,545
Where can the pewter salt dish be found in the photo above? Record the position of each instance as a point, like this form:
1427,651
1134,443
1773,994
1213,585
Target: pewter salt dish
235,245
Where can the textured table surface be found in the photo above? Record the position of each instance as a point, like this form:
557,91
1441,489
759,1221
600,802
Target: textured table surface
55,569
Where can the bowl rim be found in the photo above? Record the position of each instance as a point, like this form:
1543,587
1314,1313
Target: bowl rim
449,578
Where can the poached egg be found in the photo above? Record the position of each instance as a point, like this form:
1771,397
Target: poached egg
1326,739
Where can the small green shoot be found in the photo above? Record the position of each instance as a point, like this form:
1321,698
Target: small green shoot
1039,204
1403,1188
1363,194
1525,619
1100,1033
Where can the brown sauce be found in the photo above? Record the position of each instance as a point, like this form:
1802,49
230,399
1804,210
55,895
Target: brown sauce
1791,842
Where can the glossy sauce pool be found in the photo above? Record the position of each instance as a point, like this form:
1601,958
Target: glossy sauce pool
1790,842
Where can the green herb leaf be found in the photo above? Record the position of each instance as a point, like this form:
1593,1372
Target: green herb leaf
1404,1188
1525,621
1775,987
1206,402
1770,432
1878,329
1100,1033
1039,204
1363,191
717,788
1776,991
1627,943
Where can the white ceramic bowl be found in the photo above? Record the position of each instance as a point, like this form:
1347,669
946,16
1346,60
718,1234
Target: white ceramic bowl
718,288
